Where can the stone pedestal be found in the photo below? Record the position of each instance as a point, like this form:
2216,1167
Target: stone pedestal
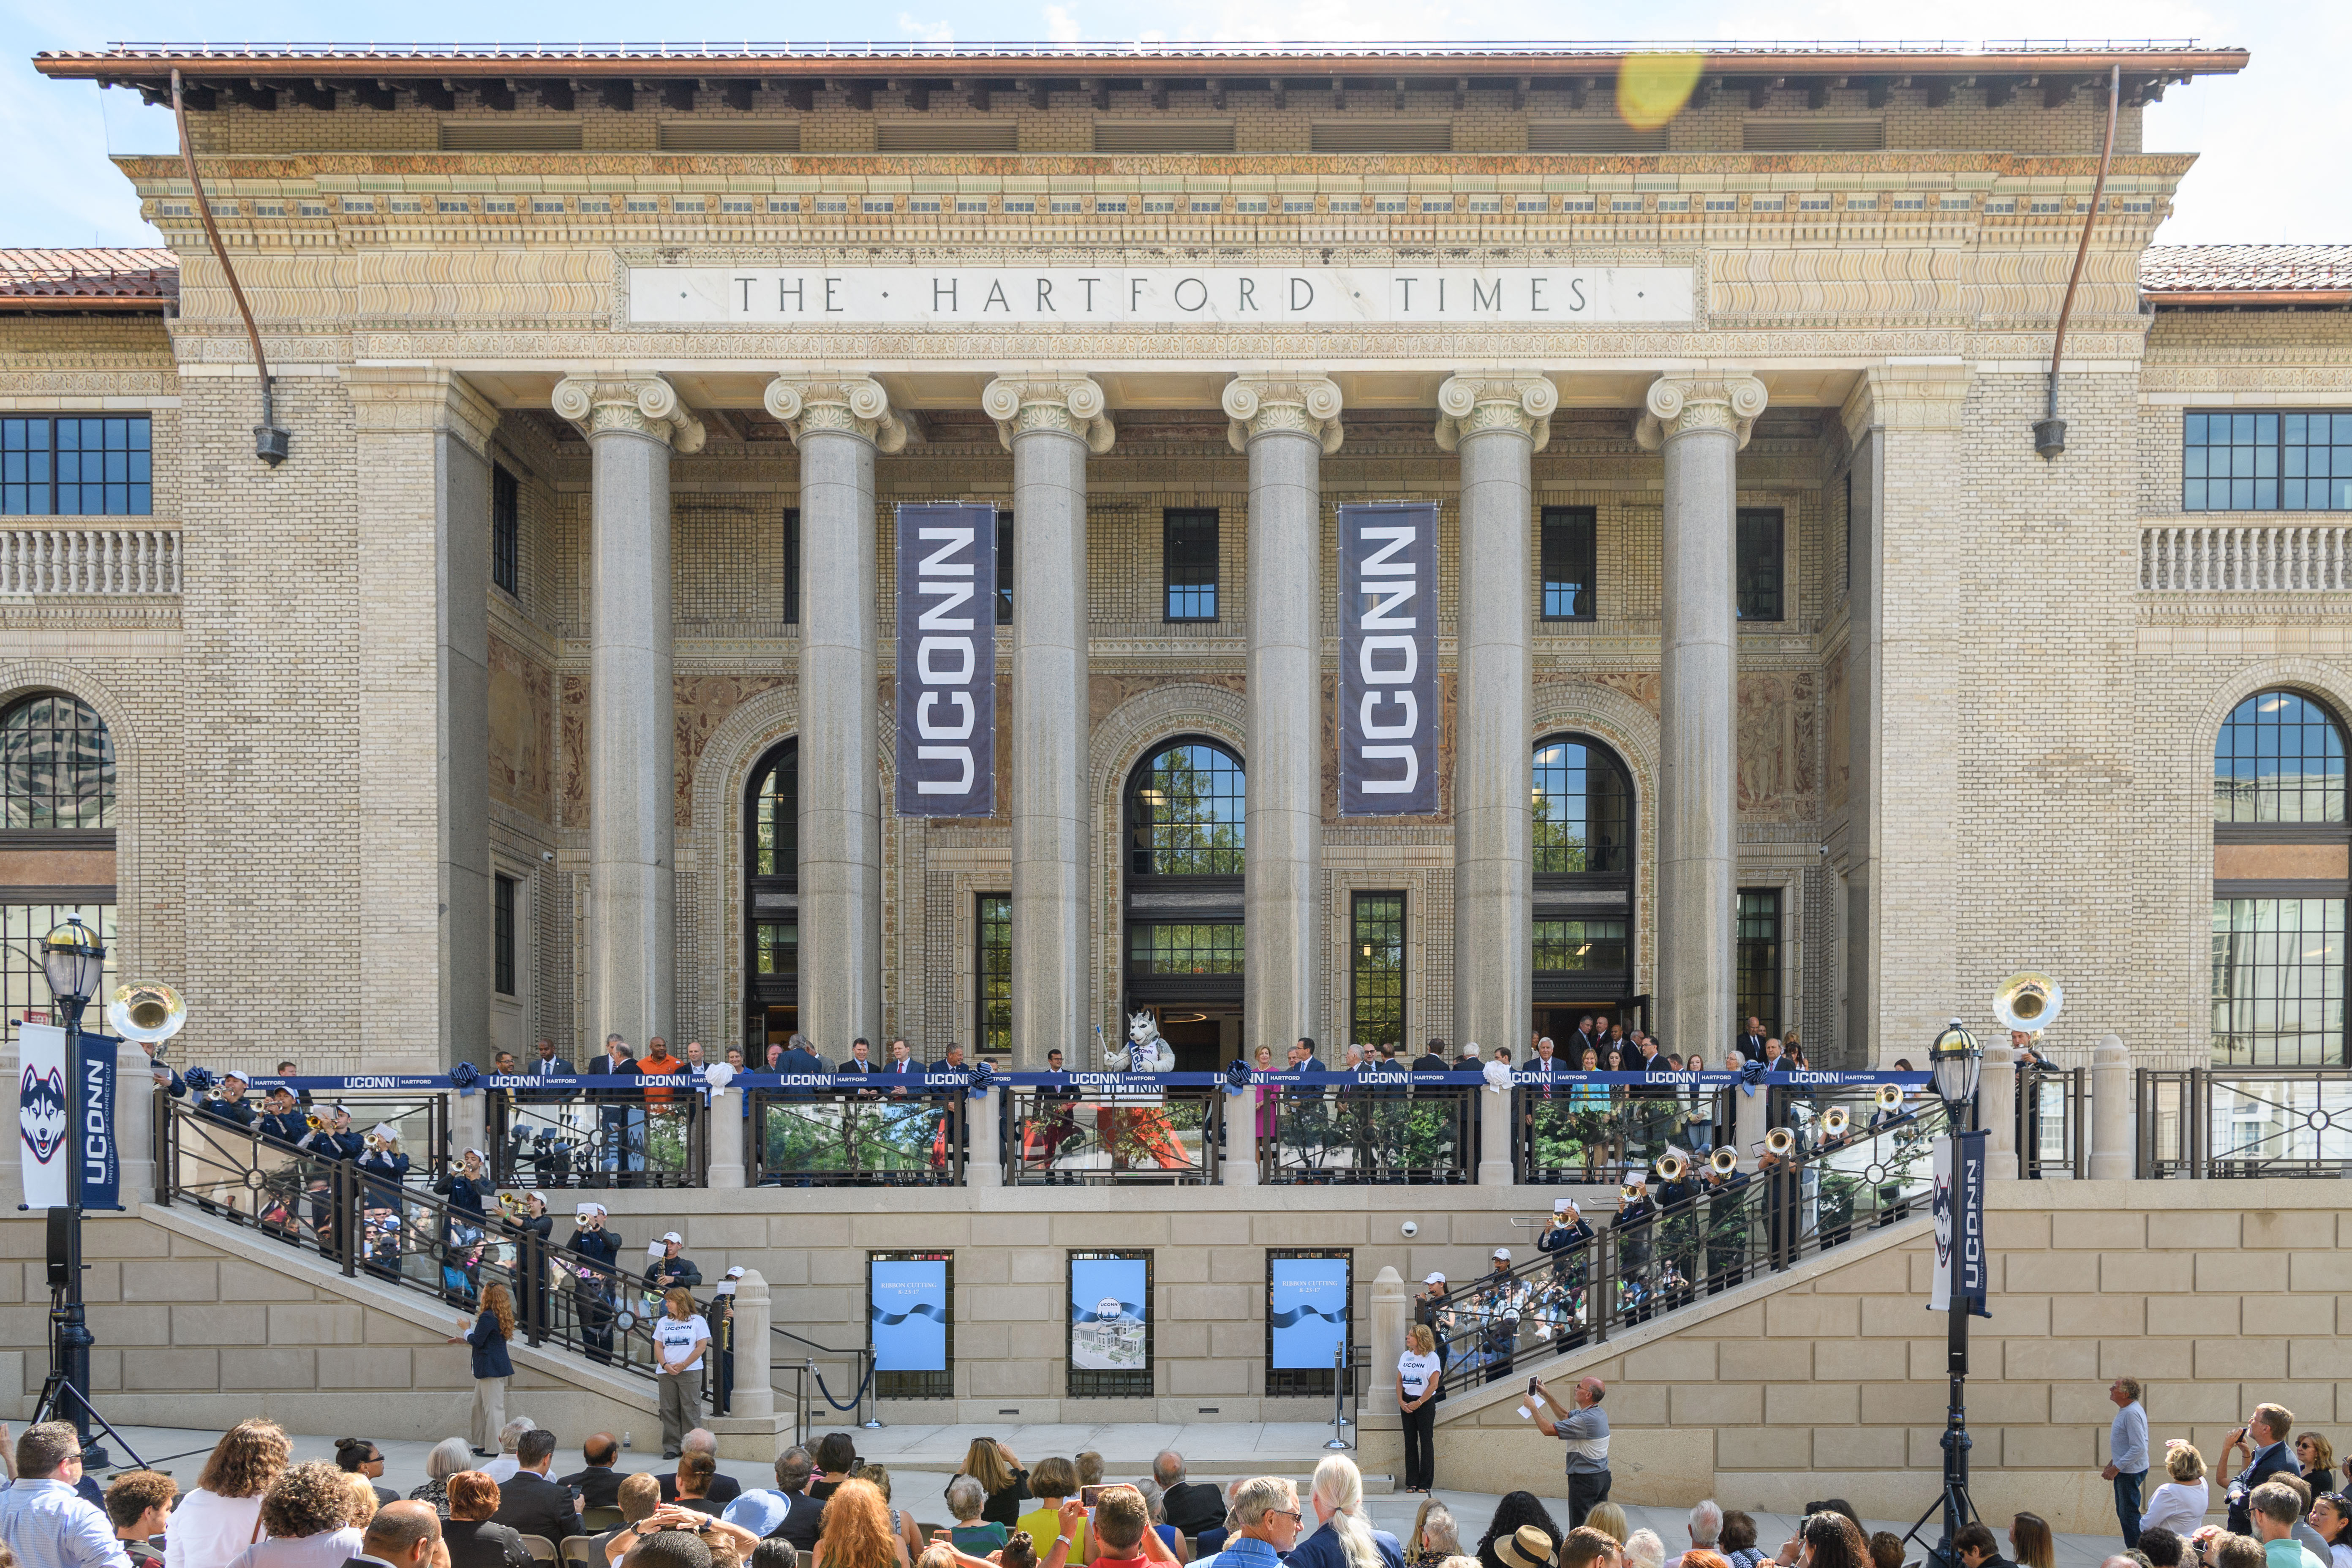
632,423
838,425
1285,424
1699,426
754,1397
1497,420
134,1122
1996,1111
983,1159
2113,1157
1050,423
1390,1316
1494,1127
727,1126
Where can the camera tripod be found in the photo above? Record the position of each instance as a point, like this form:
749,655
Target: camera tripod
66,1331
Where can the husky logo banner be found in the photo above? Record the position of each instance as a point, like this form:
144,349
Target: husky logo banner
42,1121
947,660
1388,659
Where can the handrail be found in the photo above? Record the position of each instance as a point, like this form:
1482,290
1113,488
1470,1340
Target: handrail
859,1136
2242,1121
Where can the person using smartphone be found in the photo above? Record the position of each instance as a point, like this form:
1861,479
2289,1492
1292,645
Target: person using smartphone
1584,1425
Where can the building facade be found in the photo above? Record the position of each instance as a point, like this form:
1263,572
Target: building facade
544,688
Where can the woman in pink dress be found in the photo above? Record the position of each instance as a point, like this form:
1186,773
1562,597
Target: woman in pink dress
1267,1093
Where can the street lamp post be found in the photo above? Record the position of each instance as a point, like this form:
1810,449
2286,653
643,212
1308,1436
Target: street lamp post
1956,1061
75,964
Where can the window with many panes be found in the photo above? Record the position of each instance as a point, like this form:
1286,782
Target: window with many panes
1188,563
1376,966
2266,461
1583,809
56,764
502,935
24,987
1757,563
1567,555
76,465
1204,949
1186,813
994,1005
1572,946
1756,956
506,531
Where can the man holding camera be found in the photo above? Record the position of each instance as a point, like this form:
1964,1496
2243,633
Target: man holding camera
2264,1437
1585,1426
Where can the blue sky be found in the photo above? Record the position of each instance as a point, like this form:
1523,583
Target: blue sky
2272,141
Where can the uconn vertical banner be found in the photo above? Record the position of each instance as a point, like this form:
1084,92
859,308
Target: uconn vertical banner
1388,659
65,1115
947,660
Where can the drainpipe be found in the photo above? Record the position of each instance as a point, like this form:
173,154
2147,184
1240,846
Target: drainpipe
268,441
2050,431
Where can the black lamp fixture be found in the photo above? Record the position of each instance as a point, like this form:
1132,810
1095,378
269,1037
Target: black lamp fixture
74,961
1956,1061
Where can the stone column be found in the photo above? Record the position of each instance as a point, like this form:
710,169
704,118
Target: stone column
1050,421
838,425
724,1164
423,643
754,1394
1285,424
633,423
2113,1157
1750,1120
1497,420
984,1146
1700,424
1391,1313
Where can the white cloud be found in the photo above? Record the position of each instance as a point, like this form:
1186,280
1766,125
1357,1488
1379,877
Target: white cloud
1060,25
929,32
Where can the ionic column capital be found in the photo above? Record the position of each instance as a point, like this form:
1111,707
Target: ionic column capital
1301,404
638,405
848,406
1473,401
1048,400
1722,401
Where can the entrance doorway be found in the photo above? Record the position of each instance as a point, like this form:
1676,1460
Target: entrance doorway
1205,1038
1559,1019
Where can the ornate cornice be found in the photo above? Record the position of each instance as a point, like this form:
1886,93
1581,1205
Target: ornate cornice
847,406
1474,400
1677,405
1906,397
1304,405
1048,400
411,399
638,405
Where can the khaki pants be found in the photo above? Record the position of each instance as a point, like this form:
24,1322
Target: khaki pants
489,1411
681,1402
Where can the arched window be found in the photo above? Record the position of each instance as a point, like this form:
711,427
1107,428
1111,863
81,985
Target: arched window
56,764
2279,884
1583,839
1584,808
1185,807
772,916
1184,813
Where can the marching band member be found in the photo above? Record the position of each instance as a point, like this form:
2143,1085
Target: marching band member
327,1145
592,1287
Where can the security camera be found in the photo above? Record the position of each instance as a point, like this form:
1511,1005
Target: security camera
547,854
1411,1228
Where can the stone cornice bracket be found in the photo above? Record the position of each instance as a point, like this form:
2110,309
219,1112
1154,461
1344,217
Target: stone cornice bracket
848,406
1473,401
1045,401
1916,396
639,405
1262,404
1721,401
391,400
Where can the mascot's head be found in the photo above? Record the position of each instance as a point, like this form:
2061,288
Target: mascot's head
41,1116
1141,1027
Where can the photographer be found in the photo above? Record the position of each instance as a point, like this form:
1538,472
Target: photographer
2264,1439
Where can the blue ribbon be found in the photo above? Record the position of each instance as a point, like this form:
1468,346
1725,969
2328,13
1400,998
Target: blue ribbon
1299,1314
892,1319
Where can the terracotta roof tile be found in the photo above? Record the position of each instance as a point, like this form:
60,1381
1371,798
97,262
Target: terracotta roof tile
2275,273
107,278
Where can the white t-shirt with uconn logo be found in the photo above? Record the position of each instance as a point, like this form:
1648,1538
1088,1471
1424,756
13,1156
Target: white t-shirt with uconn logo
676,1336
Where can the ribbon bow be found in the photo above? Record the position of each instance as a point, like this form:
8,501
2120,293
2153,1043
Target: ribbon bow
1237,1077
983,1078
1750,1075
198,1078
464,1076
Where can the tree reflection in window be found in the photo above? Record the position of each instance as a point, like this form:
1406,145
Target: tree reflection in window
56,764
2279,758
1185,813
1583,809
775,817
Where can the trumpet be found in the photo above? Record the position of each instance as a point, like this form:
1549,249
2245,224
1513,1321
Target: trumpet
1673,1165
1779,1142
1722,1161
316,1123
1836,1120
1890,1096
376,1142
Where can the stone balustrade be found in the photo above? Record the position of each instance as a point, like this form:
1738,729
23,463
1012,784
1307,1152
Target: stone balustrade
112,562
2225,558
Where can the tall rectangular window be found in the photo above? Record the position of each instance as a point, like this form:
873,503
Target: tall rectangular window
992,1010
502,935
1376,969
1188,563
791,566
1568,553
67,465
506,531
1757,563
2273,462
1004,568
2278,983
1757,956
1578,946
23,986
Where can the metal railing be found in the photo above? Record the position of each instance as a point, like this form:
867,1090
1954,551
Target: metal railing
1691,1241
1335,1132
854,1138
1068,1137
604,1138
2054,1123
2243,1121
2234,558
1585,1132
116,563
795,1356
398,1235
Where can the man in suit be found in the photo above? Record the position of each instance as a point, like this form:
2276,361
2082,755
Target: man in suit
724,1488
1192,1505
402,1535
799,1058
528,1502
599,1484
903,1066
2264,1437
547,1064
1431,1059
861,1059
1750,1044
620,1125
1590,1036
